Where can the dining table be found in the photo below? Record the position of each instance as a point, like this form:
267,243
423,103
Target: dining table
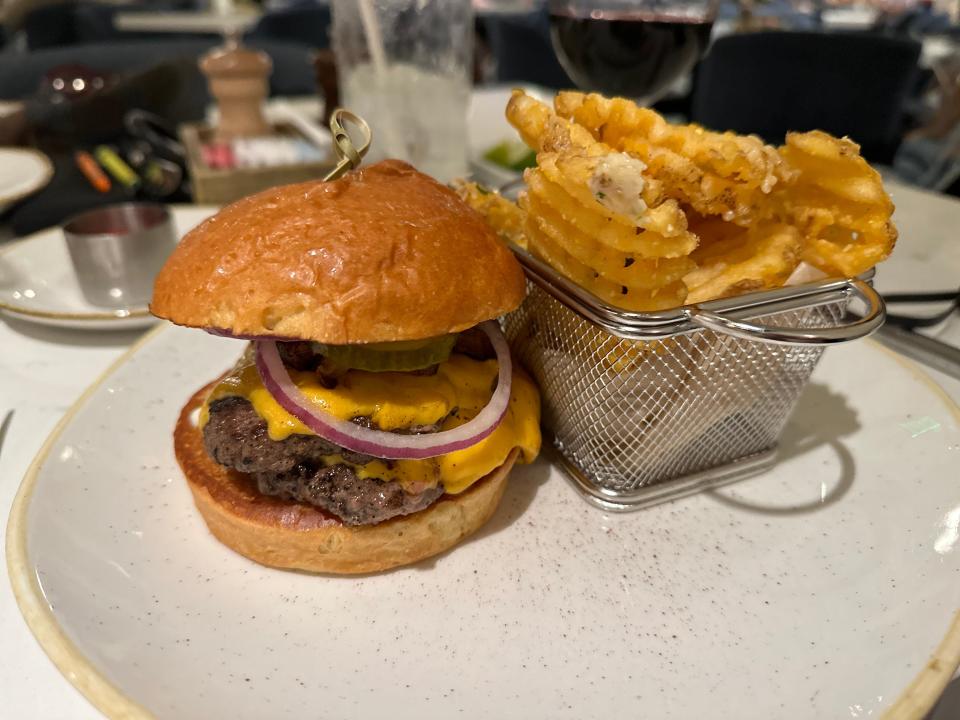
44,370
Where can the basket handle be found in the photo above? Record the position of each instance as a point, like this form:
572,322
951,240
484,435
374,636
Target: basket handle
861,327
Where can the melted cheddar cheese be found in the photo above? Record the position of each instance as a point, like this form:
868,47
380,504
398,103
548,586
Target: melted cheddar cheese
457,392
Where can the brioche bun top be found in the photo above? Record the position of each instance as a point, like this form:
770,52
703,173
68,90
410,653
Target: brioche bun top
385,253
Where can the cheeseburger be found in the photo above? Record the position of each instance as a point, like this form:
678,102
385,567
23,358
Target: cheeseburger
375,413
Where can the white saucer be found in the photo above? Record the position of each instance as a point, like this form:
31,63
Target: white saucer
22,172
37,282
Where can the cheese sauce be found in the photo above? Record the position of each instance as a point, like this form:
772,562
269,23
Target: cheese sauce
393,401
617,183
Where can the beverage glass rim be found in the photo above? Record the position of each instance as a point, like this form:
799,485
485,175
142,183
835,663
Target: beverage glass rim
676,11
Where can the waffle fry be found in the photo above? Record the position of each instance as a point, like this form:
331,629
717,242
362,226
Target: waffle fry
585,179
604,228
543,246
648,215
501,214
618,267
760,258
714,173
546,132
615,274
838,202
541,129
595,215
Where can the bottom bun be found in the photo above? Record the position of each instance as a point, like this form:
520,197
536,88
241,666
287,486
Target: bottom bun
286,534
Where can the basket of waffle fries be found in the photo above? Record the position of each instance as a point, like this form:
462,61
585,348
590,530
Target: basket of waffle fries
683,284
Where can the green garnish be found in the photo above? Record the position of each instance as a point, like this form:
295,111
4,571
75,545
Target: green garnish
511,154
388,357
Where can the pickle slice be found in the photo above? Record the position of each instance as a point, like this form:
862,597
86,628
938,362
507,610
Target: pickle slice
388,357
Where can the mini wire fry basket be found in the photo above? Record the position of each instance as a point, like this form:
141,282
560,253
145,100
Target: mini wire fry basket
647,407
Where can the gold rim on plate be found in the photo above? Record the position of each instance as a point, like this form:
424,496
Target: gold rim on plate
914,702
71,663
116,315
120,315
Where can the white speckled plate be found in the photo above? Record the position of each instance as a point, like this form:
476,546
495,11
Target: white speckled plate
817,590
37,282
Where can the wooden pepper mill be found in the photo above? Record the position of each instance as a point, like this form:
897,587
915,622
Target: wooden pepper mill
237,77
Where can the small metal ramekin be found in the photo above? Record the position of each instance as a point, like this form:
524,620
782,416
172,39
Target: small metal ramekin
118,250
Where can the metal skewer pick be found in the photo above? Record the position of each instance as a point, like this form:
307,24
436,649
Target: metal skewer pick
350,155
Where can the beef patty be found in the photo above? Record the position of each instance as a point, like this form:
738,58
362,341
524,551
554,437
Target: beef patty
293,469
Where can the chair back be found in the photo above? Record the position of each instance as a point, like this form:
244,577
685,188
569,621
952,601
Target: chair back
768,83
308,26
522,50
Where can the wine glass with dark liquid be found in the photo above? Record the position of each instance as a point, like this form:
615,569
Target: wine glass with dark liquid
631,48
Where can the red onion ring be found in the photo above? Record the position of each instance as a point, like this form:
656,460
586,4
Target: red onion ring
379,443
223,332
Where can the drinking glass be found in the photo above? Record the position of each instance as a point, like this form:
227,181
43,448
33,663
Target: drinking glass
631,48
405,66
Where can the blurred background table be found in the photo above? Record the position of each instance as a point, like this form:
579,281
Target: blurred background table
187,22
775,64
